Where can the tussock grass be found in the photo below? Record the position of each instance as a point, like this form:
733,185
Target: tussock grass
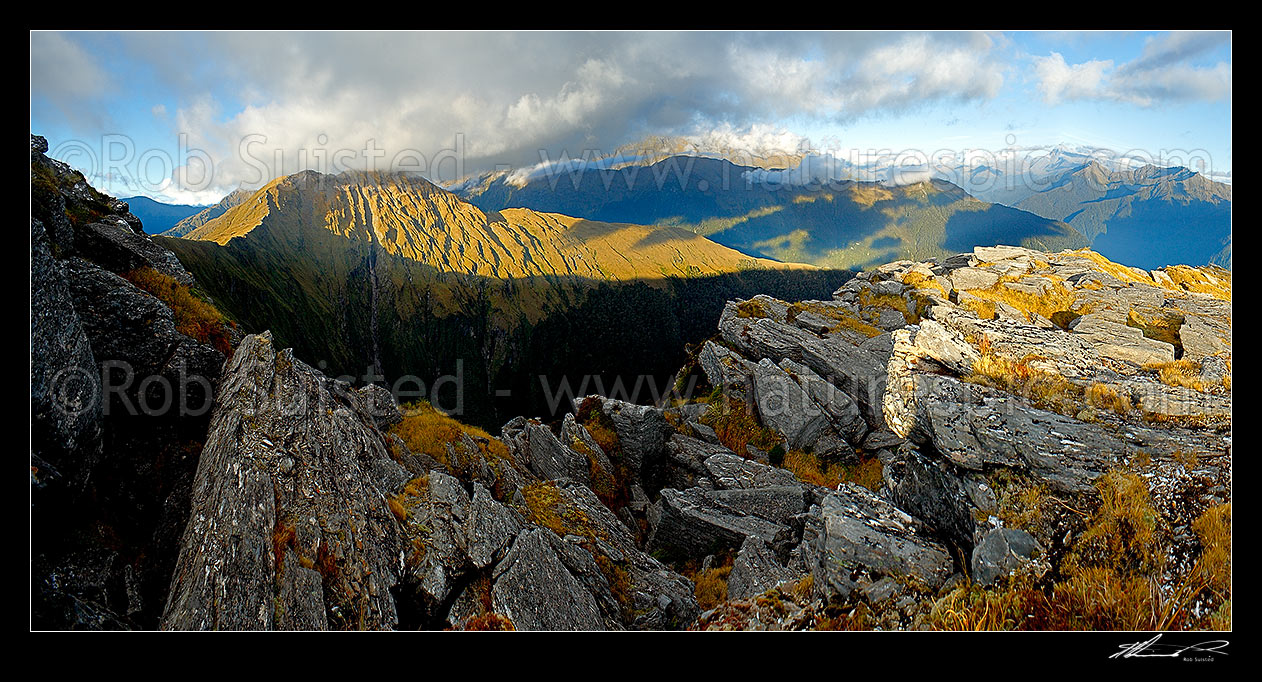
1110,578
1043,389
194,317
1106,397
1185,373
736,427
809,468
845,320
426,430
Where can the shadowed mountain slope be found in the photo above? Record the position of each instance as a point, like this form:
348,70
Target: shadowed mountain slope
843,224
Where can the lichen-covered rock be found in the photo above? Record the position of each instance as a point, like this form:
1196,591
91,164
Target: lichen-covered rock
65,379
855,538
535,591
1006,551
694,523
755,570
284,469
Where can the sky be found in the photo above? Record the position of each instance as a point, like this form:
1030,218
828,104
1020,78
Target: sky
186,117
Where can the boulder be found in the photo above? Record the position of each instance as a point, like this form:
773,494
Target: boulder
1006,551
755,570
854,538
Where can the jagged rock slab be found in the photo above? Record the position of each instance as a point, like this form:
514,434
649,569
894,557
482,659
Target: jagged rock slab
693,524
535,590
286,450
755,570
1005,551
855,538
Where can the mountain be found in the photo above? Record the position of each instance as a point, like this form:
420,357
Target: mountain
844,224
196,220
157,216
390,273
1149,216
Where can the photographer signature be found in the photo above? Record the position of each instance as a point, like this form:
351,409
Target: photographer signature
1152,649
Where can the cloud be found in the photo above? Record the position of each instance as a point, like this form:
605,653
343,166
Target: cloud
66,77
296,100
1162,73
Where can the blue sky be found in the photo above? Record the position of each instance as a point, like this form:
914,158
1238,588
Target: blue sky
149,112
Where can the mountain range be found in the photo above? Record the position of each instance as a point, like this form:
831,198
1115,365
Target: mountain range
158,216
1148,215
840,224
388,272
1001,439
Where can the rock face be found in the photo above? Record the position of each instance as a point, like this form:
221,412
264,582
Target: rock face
293,469
120,400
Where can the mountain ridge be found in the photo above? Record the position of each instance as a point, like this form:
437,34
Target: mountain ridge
844,224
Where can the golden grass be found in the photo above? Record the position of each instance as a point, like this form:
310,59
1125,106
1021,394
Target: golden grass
1043,389
751,309
1209,280
1164,327
710,587
921,281
737,428
1110,578
1184,373
1058,299
808,468
1106,397
867,299
843,318
428,431
194,317
547,507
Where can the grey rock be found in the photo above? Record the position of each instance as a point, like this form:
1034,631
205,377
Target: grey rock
692,524
755,570
534,445
1004,551
732,472
65,379
1120,342
382,405
534,589
490,527
271,407
119,248
855,538
964,279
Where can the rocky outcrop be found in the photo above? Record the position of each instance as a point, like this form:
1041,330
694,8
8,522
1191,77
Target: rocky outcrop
855,538
120,401
293,478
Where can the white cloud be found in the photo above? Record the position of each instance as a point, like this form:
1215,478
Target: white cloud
1162,73
503,97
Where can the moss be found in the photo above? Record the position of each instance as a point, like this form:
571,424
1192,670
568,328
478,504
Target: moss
751,309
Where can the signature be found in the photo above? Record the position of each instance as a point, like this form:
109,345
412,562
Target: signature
1152,649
